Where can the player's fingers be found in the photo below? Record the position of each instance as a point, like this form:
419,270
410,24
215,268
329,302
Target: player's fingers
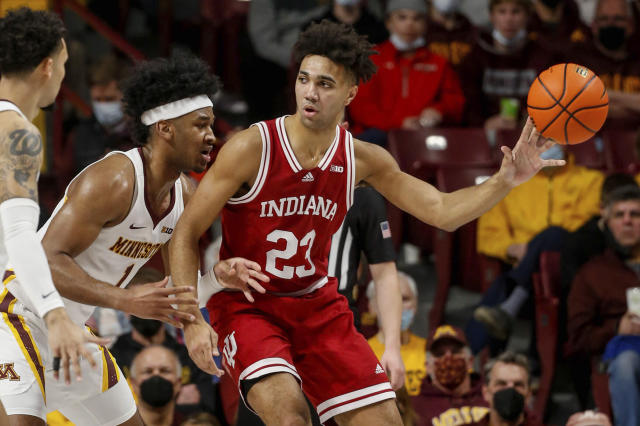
64,360
100,341
552,163
174,290
527,129
180,301
184,316
169,320
163,282
247,294
249,264
56,362
548,143
75,362
84,353
259,275
508,154
214,342
256,286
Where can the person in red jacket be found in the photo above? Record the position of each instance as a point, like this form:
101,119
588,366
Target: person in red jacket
413,87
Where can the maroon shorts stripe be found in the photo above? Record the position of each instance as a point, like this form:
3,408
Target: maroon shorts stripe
112,372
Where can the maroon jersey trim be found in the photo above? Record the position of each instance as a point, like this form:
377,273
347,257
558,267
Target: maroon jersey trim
262,172
155,218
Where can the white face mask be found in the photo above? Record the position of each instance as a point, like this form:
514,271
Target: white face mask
348,2
403,46
108,113
554,153
446,7
509,42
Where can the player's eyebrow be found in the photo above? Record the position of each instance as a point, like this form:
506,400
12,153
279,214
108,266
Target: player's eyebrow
321,76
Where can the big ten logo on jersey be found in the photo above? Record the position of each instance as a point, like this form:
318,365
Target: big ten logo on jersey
230,349
460,416
299,205
167,230
8,372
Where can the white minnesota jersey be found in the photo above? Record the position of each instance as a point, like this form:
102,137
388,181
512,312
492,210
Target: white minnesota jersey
120,251
4,257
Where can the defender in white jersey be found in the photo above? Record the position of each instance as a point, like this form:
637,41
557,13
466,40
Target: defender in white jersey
32,58
116,214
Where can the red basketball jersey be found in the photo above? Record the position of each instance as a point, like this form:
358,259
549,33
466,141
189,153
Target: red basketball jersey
285,222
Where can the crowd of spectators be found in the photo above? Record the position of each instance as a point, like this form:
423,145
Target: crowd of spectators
436,68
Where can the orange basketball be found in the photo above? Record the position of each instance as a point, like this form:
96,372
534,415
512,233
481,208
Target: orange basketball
568,103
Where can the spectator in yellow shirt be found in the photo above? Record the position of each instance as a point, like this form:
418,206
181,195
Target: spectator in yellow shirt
533,218
413,348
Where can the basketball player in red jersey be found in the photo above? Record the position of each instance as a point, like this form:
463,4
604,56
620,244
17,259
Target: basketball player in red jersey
283,187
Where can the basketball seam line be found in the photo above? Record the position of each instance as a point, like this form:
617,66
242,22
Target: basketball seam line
580,122
564,89
564,108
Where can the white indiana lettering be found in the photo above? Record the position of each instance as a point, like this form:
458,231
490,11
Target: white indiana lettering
299,205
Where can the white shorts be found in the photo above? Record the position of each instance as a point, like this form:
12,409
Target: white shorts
27,385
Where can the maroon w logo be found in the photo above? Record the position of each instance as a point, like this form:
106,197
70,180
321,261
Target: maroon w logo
7,372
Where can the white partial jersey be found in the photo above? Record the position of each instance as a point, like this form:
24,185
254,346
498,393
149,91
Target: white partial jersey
4,256
120,251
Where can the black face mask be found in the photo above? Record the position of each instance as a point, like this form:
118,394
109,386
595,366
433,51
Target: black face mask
551,4
156,391
612,37
146,327
509,404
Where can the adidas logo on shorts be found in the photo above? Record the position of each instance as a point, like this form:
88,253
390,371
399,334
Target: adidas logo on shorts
308,177
379,369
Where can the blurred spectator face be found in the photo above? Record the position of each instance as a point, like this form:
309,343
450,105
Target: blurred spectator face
155,376
612,24
449,363
348,11
509,18
504,376
623,220
406,24
323,90
588,418
409,302
106,103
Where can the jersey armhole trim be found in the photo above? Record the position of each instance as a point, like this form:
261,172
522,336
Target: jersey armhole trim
351,169
262,172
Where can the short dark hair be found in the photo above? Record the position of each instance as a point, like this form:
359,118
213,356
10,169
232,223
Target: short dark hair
27,37
507,357
160,81
108,68
613,182
341,44
526,4
623,193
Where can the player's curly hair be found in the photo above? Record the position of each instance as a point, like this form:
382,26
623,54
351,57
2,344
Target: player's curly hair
341,44
160,81
26,38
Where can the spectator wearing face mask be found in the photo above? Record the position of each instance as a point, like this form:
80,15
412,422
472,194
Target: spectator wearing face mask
535,217
412,349
508,392
557,25
412,87
450,33
451,393
106,130
588,418
155,378
503,63
613,57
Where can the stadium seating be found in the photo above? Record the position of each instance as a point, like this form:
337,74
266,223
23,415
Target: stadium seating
620,154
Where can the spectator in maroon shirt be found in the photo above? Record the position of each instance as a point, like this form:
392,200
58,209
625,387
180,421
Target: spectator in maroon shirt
557,25
451,393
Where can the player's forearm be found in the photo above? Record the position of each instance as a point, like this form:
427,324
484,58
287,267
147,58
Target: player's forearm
389,302
75,284
184,260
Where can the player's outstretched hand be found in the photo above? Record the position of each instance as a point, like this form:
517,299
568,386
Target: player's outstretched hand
202,344
155,300
240,274
521,163
394,367
67,342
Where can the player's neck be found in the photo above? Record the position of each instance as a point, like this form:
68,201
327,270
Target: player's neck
20,92
309,145
160,175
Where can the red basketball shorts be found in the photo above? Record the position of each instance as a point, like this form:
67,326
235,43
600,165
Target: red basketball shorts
311,337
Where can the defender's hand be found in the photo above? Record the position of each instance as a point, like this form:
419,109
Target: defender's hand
521,163
394,367
154,301
67,342
240,274
202,344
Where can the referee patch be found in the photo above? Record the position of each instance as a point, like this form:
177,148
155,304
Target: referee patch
386,230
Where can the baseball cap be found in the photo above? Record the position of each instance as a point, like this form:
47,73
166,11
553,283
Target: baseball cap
416,5
447,332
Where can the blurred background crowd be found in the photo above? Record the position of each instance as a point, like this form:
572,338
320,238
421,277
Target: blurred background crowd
522,315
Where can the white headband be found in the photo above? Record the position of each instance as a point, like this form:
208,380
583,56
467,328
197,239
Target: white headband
175,109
